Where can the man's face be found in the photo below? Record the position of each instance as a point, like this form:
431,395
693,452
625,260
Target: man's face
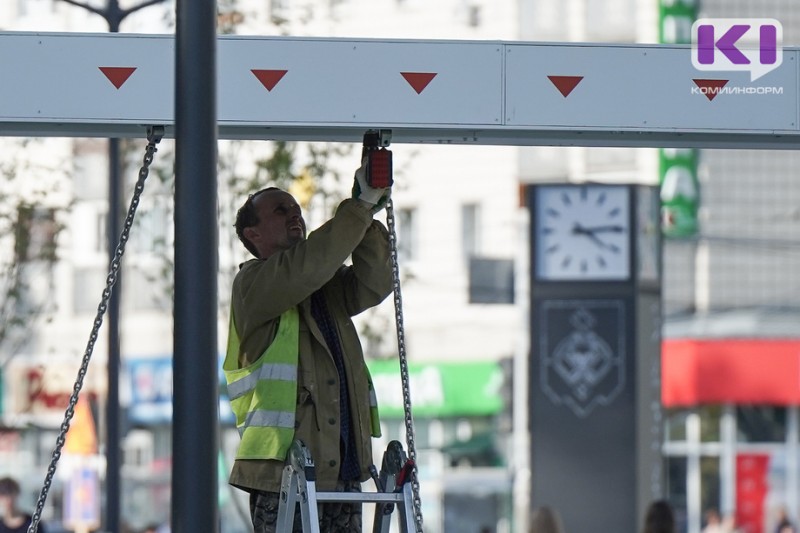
6,504
280,225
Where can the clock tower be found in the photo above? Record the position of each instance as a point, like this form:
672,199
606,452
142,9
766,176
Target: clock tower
594,394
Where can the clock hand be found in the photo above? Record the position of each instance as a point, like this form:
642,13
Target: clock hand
577,229
605,229
600,243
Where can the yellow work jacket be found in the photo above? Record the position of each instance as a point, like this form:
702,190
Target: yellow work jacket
262,395
264,290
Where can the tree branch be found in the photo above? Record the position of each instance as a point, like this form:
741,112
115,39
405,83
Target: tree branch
126,12
86,7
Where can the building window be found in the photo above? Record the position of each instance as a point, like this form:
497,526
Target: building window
29,282
474,16
676,425
87,288
153,231
491,281
279,11
35,234
138,449
100,232
760,423
470,230
146,287
407,234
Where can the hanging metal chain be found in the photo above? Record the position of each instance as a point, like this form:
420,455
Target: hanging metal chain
401,350
154,135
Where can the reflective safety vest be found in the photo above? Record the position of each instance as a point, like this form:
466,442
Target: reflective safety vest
263,395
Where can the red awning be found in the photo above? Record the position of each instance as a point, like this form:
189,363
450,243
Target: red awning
738,371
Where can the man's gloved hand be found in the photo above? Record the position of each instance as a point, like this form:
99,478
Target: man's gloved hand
375,198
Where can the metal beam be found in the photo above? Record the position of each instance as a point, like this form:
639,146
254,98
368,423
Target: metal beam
461,92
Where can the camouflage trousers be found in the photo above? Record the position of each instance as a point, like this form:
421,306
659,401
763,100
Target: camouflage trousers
334,517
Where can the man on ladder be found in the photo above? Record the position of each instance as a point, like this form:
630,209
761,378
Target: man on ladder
294,365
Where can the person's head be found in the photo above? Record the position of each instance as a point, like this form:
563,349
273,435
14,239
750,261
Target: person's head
270,221
713,516
9,491
659,518
545,519
783,513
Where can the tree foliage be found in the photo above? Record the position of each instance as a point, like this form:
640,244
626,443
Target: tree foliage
30,224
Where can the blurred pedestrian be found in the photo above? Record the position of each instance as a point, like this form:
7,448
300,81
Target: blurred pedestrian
545,519
12,519
715,524
784,524
659,518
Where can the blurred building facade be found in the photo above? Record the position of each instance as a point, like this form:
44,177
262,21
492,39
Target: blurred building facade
731,300
463,239
450,219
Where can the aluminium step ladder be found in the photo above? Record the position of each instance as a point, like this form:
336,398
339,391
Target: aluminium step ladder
298,486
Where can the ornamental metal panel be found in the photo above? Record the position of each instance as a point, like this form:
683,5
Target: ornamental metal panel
100,79
326,81
643,88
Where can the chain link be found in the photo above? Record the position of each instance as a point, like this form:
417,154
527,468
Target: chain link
154,135
404,378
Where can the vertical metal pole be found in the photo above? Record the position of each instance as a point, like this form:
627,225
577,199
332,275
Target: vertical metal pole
195,401
113,453
694,511
792,442
727,460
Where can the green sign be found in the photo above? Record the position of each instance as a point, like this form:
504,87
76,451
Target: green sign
680,192
680,188
439,389
675,19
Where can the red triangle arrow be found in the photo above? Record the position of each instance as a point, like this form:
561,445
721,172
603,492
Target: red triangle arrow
117,75
269,78
565,84
710,88
418,80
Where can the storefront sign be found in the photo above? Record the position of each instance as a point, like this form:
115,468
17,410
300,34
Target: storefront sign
745,371
42,389
82,500
439,389
150,381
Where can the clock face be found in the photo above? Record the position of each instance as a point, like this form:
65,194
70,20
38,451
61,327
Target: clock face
582,232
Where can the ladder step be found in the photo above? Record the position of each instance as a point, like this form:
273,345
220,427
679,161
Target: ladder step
298,487
363,497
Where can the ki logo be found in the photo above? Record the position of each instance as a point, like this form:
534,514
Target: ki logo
746,44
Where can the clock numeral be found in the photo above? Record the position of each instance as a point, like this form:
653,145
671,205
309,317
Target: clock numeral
584,265
547,230
613,247
566,261
552,212
565,199
552,249
614,212
601,262
601,199
584,193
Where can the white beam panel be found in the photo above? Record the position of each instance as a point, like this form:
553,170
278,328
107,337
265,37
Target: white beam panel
466,92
